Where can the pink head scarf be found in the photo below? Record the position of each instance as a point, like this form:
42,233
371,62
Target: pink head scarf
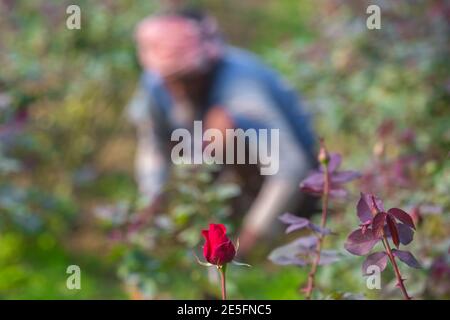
171,45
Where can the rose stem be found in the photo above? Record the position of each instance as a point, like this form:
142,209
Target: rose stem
400,283
386,245
312,274
222,270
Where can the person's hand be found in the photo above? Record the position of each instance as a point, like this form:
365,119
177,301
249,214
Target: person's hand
218,118
247,240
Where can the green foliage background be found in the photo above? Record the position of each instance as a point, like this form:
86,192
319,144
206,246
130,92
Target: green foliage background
76,152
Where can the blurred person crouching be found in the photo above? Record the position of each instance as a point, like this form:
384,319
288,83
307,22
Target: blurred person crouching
191,74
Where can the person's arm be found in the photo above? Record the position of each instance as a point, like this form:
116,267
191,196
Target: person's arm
279,191
150,161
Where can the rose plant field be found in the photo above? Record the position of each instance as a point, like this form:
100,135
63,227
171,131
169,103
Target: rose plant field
380,100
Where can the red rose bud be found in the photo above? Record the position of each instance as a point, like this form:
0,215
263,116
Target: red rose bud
218,249
323,155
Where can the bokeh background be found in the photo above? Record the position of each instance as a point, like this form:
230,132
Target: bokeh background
66,150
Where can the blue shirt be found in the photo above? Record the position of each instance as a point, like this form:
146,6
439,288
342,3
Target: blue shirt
252,93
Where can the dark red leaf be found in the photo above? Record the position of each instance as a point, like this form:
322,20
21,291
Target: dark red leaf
363,209
311,191
377,258
407,257
365,226
359,243
295,222
344,176
314,180
319,229
313,184
289,254
296,226
402,216
334,163
285,259
375,203
378,224
289,218
405,234
392,226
